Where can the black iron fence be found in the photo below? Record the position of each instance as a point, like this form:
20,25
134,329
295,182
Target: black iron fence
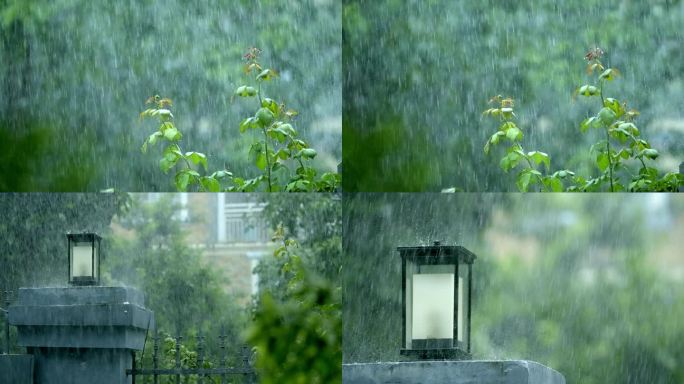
198,370
6,301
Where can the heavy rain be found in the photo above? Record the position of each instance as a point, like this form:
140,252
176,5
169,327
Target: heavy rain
419,266
221,268
589,285
76,74
417,76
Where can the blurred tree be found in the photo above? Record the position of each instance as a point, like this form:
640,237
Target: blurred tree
315,221
594,308
186,294
297,327
298,337
154,256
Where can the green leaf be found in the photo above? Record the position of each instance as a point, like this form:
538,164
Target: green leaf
614,106
264,116
260,161
165,114
649,153
588,90
509,161
602,161
495,137
619,132
172,134
586,123
606,116
266,74
166,163
271,105
276,134
147,113
554,184
283,153
153,137
540,157
309,153
492,112
197,158
210,184
250,122
609,74
276,166
506,125
514,134
649,173
624,153
523,181
288,129
246,91
218,175
630,128
563,173
507,113
182,180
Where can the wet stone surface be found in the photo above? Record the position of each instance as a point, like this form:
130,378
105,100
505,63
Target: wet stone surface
451,372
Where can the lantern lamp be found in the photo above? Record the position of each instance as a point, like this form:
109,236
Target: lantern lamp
84,258
436,298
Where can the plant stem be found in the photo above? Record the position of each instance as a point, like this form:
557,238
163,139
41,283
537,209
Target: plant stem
268,162
259,92
610,161
542,187
641,159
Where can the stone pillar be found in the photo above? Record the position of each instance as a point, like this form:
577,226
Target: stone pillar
16,369
451,372
81,334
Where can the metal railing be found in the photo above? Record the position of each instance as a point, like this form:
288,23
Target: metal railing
5,310
201,372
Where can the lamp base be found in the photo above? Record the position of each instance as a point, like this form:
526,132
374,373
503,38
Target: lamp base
83,280
436,354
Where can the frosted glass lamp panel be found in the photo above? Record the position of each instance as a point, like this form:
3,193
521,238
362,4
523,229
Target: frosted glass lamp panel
433,306
82,264
461,309
463,303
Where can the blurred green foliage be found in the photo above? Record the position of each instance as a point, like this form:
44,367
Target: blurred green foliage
298,338
186,294
80,70
297,328
570,281
428,67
